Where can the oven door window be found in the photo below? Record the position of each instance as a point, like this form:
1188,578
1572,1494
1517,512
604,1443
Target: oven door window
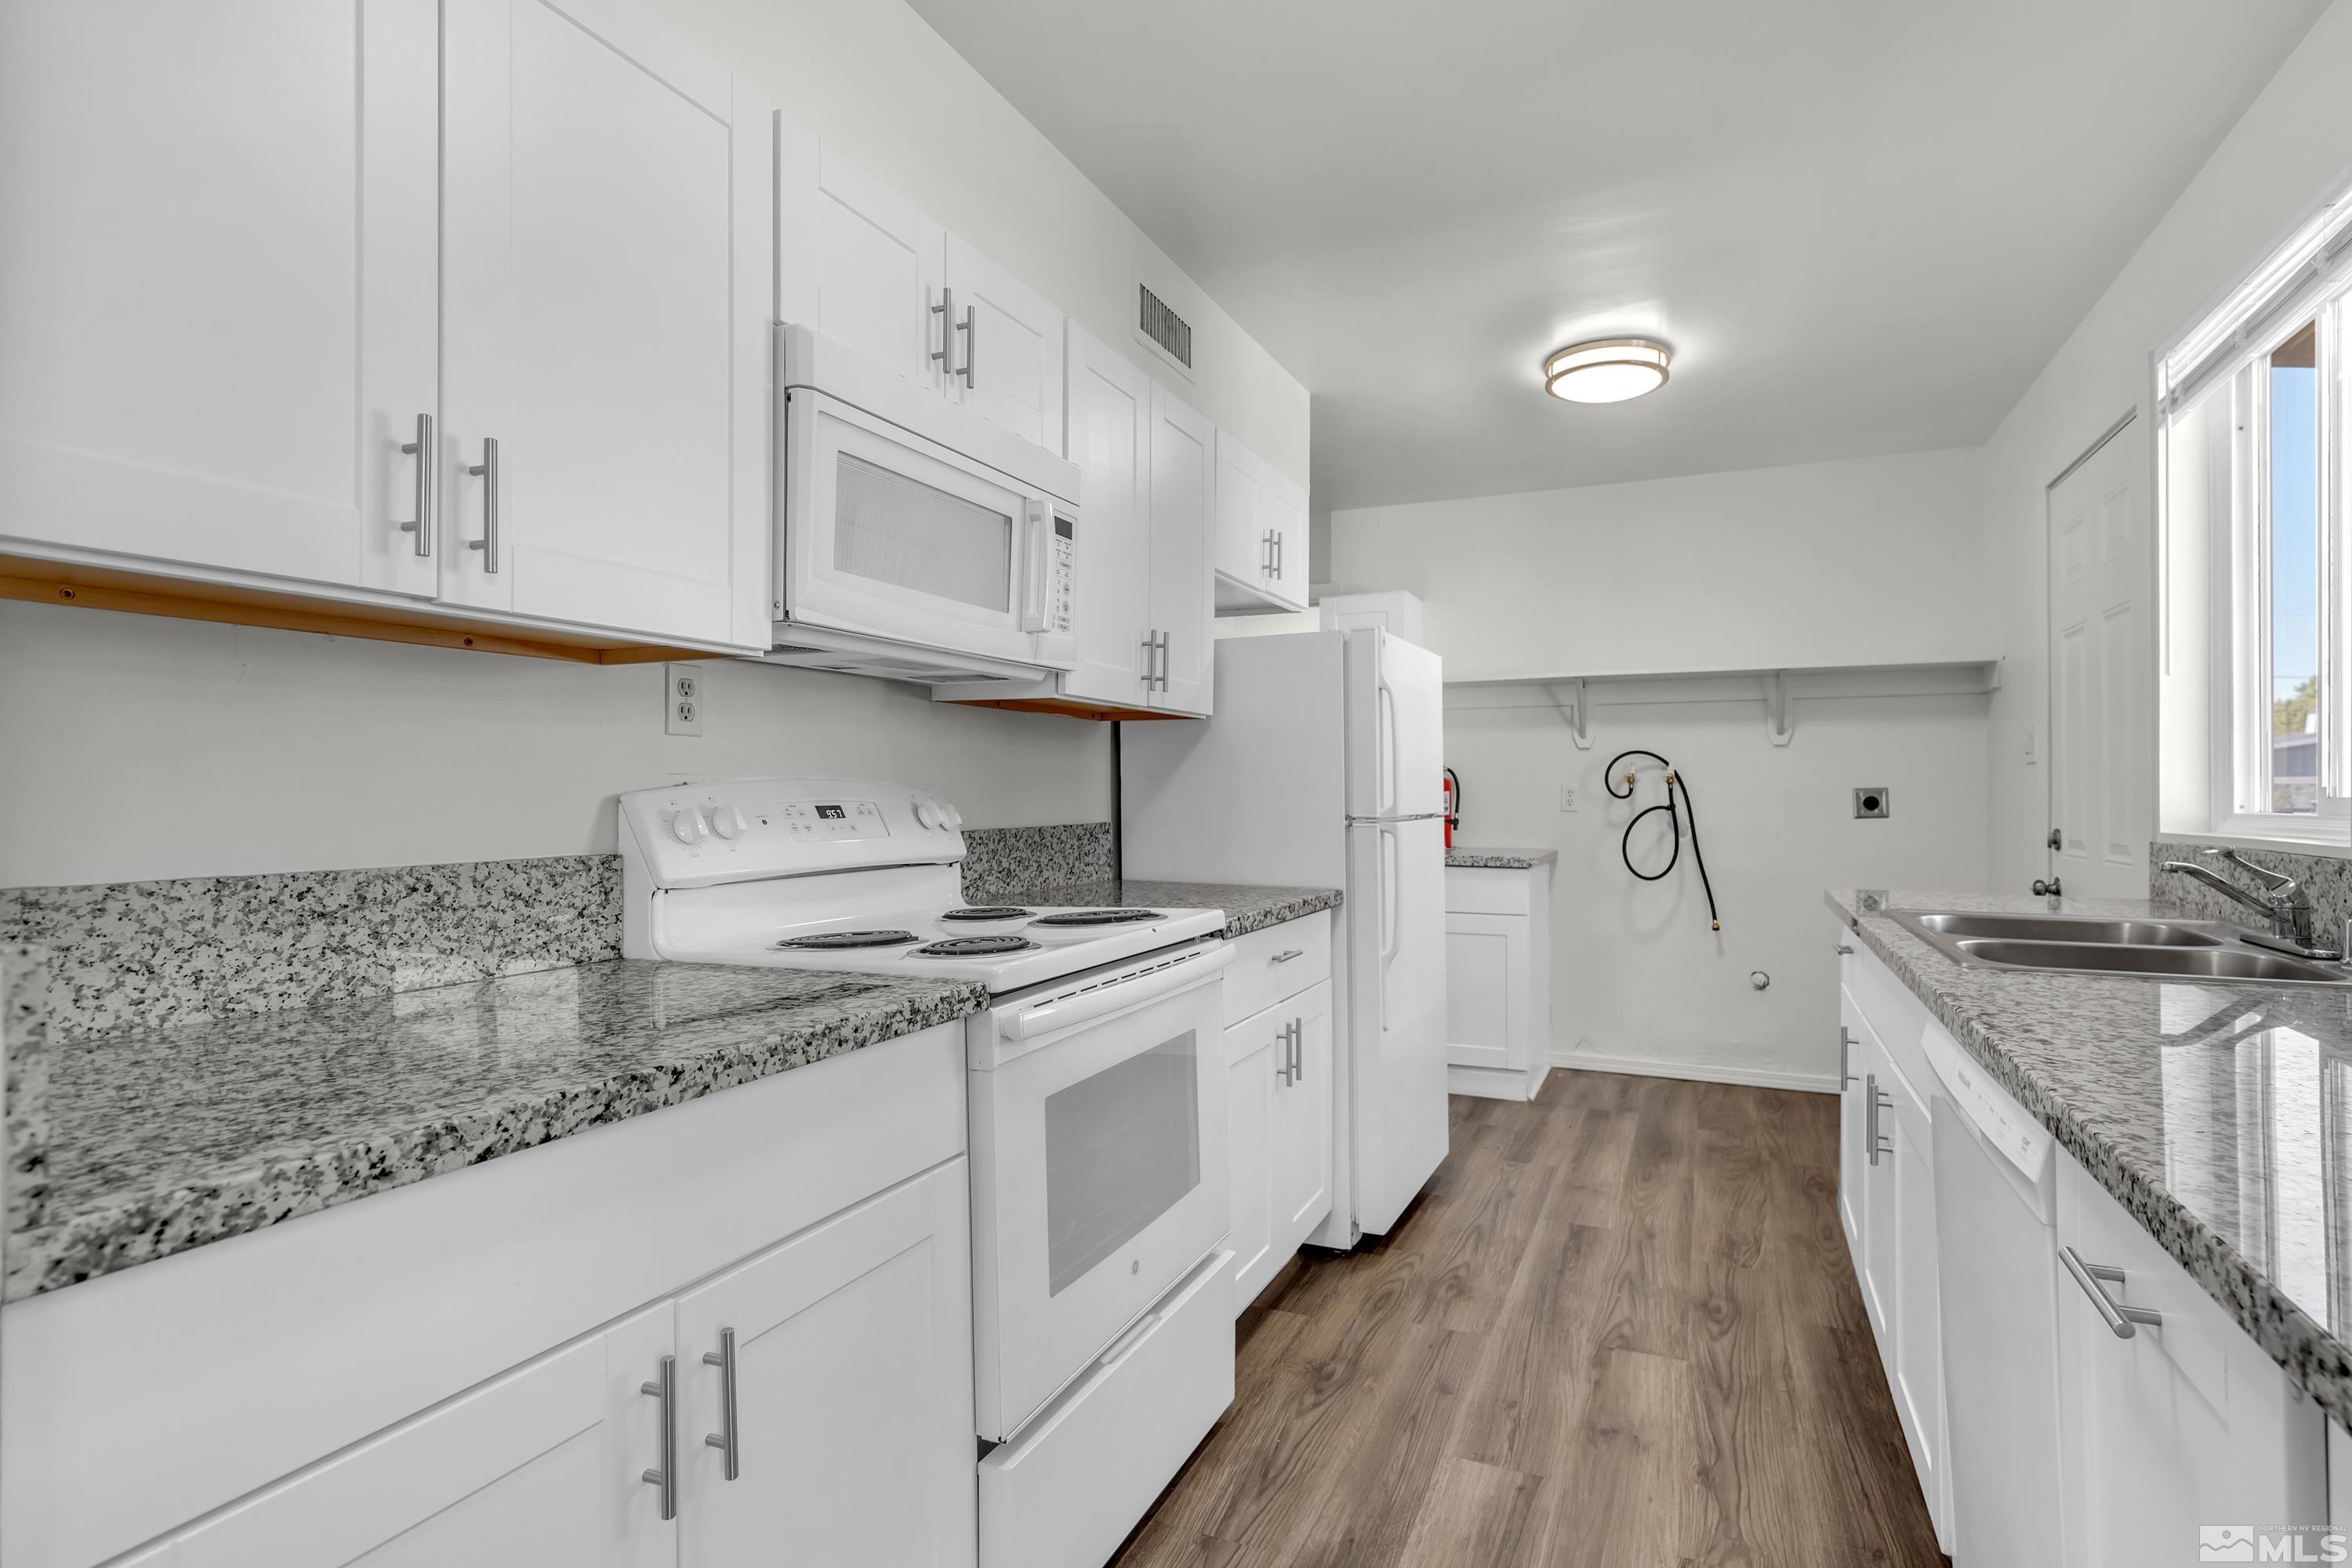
891,529
1121,1149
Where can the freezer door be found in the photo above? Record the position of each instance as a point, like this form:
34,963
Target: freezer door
1396,976
1396,726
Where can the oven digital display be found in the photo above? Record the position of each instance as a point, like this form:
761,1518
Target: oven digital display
831,814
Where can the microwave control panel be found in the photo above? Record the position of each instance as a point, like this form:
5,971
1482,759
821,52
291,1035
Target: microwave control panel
1060,571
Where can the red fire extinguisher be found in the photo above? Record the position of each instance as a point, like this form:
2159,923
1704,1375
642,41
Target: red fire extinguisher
1452,806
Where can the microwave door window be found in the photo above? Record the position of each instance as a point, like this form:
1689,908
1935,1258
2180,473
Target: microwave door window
891,529
1123,1148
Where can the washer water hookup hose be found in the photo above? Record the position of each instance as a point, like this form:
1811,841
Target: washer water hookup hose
1676,818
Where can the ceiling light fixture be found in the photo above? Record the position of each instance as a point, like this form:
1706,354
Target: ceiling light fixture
1610,370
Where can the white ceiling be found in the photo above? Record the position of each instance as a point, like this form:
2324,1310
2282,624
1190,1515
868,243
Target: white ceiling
1862,225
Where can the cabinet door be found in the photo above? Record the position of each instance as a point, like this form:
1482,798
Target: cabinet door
1008,365
853,1393
1183,482
543,1465
607,250
1253,1068
218,288
1486,984
1853,1121
1877,1212
1915,1360
1285,518
857,261
1110,434
2178,1426
1302,1124
1245,555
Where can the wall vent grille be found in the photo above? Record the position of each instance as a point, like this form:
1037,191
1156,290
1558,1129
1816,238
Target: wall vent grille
1165,328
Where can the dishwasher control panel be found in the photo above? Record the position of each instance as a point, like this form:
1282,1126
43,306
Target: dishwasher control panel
2003,1123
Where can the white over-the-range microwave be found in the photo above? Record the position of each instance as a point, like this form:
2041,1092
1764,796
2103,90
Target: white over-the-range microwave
914,540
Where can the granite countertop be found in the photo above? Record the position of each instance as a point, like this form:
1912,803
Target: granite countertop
1247,909
2213,1112
1500,859
161,1141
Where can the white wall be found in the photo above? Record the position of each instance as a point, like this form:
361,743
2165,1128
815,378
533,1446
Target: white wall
134,747
1823,563
871,77
1812,564
2288,151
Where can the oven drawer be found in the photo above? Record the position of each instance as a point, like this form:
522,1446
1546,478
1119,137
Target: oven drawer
1066,1490
1278,961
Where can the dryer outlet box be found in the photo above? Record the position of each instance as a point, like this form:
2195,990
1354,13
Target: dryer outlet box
1872,800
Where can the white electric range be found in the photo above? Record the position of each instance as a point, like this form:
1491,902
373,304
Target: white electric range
1102,1307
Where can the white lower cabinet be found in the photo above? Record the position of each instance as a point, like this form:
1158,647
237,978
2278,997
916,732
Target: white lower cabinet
1279,1101
1497,980
2182,1425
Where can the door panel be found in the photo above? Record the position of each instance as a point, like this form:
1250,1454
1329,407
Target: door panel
594,326
1285,516
1302,1110
1253,1058
1183,455
878,264
1480,989
1108,437
219,289
2101,693
1013,345
853,1366
1242,554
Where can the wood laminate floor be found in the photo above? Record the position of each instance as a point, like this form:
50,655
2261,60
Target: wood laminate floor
1620,1329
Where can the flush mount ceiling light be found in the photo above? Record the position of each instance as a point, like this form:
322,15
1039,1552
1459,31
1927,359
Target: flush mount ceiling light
1610,370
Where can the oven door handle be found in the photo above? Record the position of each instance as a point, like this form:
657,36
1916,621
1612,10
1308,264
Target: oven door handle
1047,1018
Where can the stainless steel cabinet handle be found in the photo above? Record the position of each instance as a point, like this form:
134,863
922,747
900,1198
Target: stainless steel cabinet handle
971,342
1846,1045
1286,957
664,1389
724,1439
2121,1320
486,470
1870,1121
1151,660
422,524
944,353
1843,950
1163,661
1298,1051
1278,555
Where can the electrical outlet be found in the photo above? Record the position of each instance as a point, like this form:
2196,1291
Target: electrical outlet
682,700
1568,798
1873,800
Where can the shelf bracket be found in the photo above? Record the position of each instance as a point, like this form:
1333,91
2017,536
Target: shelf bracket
1780,723
1573,708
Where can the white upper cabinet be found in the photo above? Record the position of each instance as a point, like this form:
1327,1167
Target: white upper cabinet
1182,616
1008,347
857,261
606,260
218,285
1261,534
1110,435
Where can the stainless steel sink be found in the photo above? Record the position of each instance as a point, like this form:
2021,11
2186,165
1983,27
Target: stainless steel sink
2213,951
2065,928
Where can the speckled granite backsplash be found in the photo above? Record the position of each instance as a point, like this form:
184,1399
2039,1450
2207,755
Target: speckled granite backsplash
2327,877
25,1120
155,955
999,862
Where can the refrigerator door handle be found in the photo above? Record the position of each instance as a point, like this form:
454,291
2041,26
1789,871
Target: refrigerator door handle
1385,763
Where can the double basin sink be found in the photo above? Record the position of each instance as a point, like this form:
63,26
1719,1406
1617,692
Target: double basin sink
2153,948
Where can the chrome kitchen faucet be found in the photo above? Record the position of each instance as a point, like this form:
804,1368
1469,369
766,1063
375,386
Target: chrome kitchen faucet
2283,898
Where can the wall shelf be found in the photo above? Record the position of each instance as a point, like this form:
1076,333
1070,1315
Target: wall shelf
1573,694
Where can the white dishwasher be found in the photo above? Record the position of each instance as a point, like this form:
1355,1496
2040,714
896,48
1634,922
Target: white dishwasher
1997,1268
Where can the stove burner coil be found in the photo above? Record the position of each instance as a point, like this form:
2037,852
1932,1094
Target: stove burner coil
989,912
834,940
1100,917
974,947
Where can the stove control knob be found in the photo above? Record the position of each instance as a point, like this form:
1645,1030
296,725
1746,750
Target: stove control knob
926,813
687,828
727,821
953,818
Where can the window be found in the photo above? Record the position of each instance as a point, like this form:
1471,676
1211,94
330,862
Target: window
2255,438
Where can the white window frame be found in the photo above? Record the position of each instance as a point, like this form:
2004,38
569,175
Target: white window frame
2310,278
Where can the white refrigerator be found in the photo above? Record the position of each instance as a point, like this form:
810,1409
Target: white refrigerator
1324,767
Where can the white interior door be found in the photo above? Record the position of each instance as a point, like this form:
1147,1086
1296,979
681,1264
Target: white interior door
852,1433
1183,484
1008,347
608,248
1110,434
218,284
2101,690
